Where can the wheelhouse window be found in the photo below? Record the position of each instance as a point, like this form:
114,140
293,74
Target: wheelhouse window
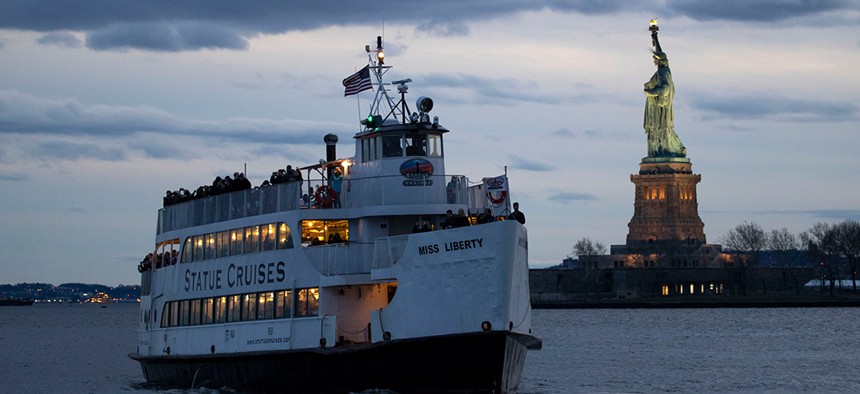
416,145
321,232
392,146
434,145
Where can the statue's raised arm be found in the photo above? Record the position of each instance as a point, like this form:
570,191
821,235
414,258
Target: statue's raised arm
659,94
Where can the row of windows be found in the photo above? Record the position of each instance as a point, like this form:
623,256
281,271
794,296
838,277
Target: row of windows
265,305
251,239
377,147
659,193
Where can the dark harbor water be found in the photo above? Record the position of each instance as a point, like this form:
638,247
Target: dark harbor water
82,349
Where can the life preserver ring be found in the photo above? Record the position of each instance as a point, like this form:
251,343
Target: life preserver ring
497,201
324,196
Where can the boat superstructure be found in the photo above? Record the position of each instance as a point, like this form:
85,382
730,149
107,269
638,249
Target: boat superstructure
349,277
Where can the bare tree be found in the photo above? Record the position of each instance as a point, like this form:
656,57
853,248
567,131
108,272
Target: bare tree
746,240
822,247
846,238
785,246
585,247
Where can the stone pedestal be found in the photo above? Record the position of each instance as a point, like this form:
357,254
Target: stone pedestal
665,208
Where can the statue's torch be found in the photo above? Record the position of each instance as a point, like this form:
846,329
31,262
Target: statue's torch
653,28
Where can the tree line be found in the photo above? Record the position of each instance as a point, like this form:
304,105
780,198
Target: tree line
835,247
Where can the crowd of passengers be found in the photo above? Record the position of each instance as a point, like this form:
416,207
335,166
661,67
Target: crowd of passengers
284,175
219,186
159,260
458,220
228,185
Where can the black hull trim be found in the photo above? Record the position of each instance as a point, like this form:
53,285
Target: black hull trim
475,362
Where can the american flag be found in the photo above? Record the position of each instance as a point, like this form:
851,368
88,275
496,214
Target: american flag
358,82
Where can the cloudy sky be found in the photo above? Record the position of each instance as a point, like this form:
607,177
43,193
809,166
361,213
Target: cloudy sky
106,104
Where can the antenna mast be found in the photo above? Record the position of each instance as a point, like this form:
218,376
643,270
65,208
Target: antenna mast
376,63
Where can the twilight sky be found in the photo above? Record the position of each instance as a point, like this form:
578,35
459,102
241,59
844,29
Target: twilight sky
106,104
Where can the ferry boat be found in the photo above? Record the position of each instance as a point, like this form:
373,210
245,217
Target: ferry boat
347,279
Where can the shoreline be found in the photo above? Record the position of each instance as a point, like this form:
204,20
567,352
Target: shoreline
734,302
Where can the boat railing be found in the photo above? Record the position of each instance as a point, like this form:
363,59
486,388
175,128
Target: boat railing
355,192
387,251
335,259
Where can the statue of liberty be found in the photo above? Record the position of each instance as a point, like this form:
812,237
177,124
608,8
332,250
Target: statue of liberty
659,93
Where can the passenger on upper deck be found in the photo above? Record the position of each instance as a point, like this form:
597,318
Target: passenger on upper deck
462,220
486,216
450,220
335,181
517,215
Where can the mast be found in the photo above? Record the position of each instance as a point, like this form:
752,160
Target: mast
376,64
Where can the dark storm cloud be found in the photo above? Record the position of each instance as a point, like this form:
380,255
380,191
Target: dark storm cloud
60,39
229,24
760,106
757,10
22,113
172,37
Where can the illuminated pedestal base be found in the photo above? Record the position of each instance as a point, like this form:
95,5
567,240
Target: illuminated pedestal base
665,208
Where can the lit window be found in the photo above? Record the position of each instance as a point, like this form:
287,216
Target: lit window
249,307
266,305
308,303
283,304
236,242
267,235
285,239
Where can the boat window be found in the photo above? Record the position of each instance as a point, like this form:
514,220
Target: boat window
252,239
233,308
378,151
249,307
321,232
365,147
236,242
195,312
285,239
308,303
220,309
283,304
223,240
186,250
266,305
434,145
197,253
207,310
174,314
184,313
267,236
392,146
165,315
416,145
210,246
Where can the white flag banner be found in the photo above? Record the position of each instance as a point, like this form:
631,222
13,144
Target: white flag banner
496,192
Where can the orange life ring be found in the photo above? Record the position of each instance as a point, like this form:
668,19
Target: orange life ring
324,196
497,201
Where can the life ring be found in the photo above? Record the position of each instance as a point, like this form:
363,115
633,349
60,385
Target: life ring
324,196
497,201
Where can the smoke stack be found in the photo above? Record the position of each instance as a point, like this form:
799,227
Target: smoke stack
330,149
